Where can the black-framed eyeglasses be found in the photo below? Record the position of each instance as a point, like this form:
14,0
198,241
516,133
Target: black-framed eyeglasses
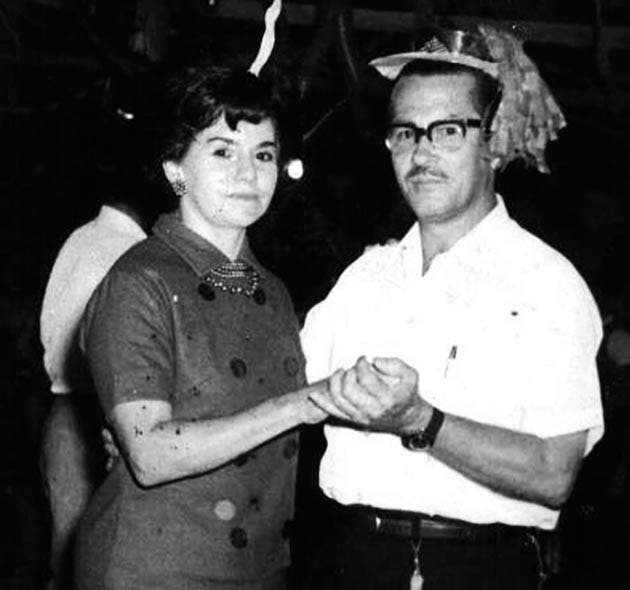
445,134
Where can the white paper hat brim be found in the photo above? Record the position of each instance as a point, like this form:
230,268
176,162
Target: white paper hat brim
390,66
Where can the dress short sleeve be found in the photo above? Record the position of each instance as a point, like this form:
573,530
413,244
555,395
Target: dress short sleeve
126,337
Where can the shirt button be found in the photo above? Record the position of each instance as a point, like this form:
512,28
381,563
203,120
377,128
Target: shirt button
259,296
238,368
244,458
225,510
206,291
238,537
241,460
291,366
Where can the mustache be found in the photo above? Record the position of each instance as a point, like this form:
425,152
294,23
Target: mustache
425,171
246,195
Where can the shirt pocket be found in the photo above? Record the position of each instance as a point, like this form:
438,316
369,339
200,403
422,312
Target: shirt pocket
483,370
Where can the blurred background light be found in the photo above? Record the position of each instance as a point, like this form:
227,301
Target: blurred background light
294,169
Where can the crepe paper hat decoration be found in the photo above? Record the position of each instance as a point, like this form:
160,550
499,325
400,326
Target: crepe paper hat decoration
268,39
528,116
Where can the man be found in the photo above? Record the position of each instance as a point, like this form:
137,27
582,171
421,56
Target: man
73,460
70,470
465,385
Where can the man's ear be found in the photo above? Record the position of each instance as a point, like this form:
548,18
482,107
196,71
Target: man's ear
487,156
493,161
172,171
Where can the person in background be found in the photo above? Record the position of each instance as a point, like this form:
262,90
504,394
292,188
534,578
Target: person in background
72,459
465,386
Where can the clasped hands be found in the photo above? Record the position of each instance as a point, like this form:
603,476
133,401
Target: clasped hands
381,395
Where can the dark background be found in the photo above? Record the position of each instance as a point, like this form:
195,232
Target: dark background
67,66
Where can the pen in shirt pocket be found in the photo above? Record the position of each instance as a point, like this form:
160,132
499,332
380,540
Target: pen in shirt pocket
452,355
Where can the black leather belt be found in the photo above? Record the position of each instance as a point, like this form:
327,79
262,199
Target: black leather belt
414,525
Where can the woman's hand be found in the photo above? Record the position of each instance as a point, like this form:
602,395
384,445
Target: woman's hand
313,414
310,412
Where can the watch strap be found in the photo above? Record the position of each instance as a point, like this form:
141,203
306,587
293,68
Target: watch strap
424,439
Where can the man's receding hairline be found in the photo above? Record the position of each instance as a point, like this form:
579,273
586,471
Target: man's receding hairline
473,91
444,74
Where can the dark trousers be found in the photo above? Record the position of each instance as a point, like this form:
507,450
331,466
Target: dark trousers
72,463
364,560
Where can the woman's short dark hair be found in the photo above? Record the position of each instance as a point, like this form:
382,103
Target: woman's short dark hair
196,97
487,95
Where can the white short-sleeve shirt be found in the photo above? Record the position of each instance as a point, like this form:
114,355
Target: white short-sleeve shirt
82,263
501,329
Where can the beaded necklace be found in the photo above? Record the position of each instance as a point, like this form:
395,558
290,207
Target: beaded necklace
237,278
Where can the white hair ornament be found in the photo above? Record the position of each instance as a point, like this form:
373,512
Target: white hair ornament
268,39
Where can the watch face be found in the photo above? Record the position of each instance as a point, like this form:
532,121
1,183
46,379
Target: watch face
415,442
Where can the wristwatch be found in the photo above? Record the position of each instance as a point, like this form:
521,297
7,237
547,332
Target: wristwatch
424,439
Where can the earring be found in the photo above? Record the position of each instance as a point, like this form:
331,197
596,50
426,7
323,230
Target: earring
179,187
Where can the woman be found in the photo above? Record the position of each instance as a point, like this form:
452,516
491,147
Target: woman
195,354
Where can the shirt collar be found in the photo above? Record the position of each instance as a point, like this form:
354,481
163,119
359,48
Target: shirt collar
199,253
121,220
478,238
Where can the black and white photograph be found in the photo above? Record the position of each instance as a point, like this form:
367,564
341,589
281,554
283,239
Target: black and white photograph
315,295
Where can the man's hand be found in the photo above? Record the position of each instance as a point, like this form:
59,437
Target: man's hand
381,396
